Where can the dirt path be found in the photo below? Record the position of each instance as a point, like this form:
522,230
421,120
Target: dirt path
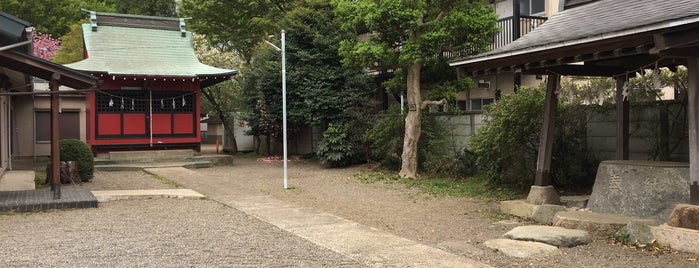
458,225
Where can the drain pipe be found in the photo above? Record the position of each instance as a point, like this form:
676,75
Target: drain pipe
30,39
16,45
9,133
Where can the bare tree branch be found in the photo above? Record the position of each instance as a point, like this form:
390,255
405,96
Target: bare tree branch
424,104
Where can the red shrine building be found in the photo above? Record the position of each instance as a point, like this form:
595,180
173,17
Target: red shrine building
151,80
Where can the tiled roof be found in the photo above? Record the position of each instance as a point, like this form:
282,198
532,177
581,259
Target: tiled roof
599,19
131,51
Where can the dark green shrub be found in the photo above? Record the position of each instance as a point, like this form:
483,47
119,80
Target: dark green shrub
385,138
385,141
466,164
77,150
506,147
436,154
339,148
573,165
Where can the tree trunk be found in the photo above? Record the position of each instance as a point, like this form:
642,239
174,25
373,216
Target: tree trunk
258,143
229,130
412,124
222,116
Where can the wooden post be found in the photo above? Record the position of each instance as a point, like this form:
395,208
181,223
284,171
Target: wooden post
622,120
543,161
693,116
55,156
515,20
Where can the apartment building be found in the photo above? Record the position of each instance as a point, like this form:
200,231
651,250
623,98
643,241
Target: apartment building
516,18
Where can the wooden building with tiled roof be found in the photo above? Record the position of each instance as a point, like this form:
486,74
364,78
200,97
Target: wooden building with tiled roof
151,82
609,38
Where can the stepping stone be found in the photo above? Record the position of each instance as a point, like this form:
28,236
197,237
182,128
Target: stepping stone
552,235
520,249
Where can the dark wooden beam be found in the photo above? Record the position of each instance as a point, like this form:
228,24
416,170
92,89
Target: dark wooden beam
579,70
55,156
643,49
693,128
664,41
628,62
580,52
515,20
45,70
622,128
681,52
543,161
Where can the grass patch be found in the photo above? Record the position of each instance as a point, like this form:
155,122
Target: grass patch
8,213
40,179
475,186
293,189
499,216
167,181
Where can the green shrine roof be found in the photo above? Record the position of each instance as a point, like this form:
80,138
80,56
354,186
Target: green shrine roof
143,46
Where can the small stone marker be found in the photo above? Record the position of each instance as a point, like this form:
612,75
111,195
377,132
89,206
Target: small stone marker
520,249
552,235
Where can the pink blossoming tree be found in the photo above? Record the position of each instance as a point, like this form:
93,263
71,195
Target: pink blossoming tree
45,46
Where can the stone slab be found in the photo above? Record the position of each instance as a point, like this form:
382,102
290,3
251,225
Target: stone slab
17,180
519,208
150,156
43,199
106,196
520,249
646,189
599,224
677,238
546,212
140,166
551,235
685,216
575,201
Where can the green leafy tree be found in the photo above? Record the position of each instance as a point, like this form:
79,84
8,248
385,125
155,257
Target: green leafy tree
223,99
72,47
235,25
161,8
52,17
406,34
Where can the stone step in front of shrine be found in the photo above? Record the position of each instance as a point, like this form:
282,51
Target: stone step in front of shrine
150,156
537,240
138,160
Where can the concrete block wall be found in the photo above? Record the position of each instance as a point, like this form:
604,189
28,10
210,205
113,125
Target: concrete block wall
461,127
644,128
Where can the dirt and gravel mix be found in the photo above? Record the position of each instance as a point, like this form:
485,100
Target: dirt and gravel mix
456,224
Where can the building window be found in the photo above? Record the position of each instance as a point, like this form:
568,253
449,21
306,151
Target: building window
68,125
532,7
461,104
478,104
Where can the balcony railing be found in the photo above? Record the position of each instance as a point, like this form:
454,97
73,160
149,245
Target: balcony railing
509,33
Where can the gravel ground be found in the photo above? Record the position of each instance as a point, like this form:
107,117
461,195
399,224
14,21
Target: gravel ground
155,233
173,232
458,225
